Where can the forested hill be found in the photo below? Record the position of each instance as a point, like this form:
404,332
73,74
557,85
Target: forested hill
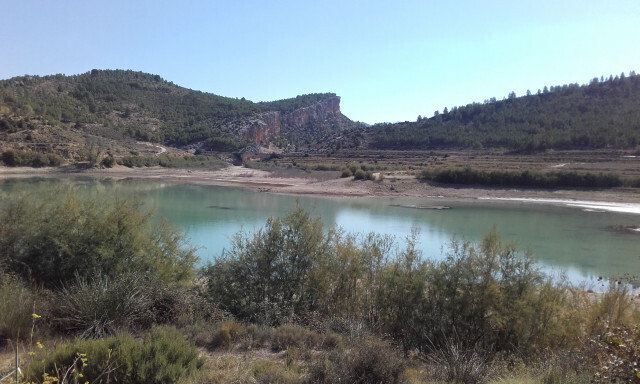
604,113
126,104
122,105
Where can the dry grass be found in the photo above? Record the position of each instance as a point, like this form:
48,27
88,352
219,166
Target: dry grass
258,366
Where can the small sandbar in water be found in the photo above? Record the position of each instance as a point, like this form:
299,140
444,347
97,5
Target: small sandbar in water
591,206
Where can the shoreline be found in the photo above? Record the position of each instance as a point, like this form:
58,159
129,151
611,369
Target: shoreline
395,184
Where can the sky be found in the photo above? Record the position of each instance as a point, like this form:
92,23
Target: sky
388,60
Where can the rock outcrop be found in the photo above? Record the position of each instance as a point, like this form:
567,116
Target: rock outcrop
320,111
267,126
264,128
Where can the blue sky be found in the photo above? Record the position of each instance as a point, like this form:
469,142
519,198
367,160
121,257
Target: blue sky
388,60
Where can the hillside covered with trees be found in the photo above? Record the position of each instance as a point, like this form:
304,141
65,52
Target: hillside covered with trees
105,109
604,113
125,104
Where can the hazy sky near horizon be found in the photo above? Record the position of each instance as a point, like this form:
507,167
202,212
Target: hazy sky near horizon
388,60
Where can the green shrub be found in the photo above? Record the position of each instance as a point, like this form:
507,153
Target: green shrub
108,161
129,302
163,357
488,293
223,144
8,125
526,178
269,277
101,306
360,175
49,239
346,173
326,167
363,175
17,305
15,158
187,161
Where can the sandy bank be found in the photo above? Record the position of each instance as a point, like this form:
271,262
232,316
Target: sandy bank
584,204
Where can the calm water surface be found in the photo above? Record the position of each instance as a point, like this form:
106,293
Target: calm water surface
567,240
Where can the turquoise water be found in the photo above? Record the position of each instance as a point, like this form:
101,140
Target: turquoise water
563,239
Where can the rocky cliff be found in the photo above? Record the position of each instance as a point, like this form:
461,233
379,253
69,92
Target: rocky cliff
262,129
320,111
320,117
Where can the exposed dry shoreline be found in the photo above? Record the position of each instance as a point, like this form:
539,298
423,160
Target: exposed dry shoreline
394,184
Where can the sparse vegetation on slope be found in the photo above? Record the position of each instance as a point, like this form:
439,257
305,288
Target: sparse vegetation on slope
13,158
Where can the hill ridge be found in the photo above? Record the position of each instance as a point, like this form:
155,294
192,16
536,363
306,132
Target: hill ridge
121,104
603,113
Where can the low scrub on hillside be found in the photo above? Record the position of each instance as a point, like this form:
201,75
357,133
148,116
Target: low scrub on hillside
223,143
196,161
15,158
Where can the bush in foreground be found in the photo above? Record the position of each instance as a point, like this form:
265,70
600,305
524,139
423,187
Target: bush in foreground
49,239
104,305
243,281
482,312
17,305
367,361
488,294
163,357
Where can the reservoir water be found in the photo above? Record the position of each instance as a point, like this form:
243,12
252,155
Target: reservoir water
583,244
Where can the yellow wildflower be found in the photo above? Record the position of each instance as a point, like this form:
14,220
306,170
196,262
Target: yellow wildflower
35,316
39,344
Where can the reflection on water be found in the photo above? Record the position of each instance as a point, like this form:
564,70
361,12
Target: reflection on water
578,243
